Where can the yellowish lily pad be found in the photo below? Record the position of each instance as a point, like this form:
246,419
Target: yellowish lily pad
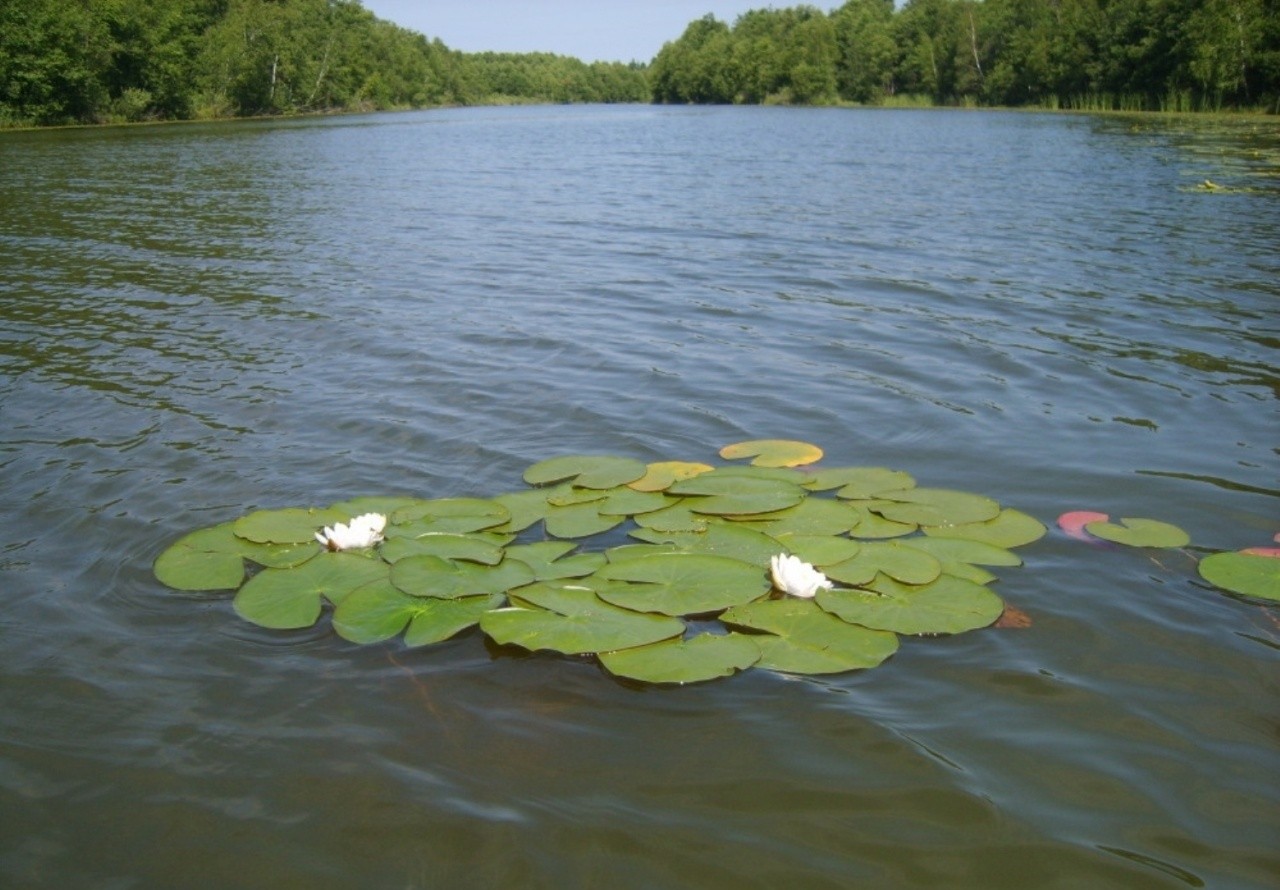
773,452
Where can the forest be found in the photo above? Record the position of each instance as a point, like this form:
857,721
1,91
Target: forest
105,61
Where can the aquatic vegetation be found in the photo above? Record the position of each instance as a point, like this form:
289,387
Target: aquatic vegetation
777,564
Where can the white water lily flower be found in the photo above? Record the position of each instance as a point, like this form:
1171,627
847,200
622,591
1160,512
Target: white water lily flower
795,576
361,532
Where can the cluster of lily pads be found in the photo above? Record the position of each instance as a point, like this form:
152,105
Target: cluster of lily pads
696,572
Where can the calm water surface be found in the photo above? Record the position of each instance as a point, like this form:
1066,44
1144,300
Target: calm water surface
201,320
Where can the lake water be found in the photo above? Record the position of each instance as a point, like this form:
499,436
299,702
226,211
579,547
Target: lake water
201,320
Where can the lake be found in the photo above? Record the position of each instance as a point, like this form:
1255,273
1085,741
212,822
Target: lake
201,320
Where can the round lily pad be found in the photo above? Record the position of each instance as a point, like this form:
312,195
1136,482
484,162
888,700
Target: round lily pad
448,546
586,471
812,516
658,476
1139,533
573,620
447,516
937,506
579,521
773,452
820,550
291,598
907,564
860,483
726,494
379,611
1011,528
1245,573
703,657
183,567
719,538
681,583
948,605
801,638
292,525
549,562
445,579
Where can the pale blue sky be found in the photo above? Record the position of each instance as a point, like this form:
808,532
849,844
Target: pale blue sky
591,30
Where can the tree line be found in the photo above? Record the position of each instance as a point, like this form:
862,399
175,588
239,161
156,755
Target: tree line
85,61
1099,54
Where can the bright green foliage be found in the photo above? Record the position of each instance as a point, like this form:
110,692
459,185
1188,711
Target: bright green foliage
901,559
1243,573
1139,533
700,658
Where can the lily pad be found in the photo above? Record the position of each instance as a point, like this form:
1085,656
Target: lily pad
773,452
527,508
184,567
380,611
720,538
291,598
812,516
948,605
820,550
949,551
433,576
586,471
573,620
1244,573
725,494
1012,528
1139,533
292,525
548,560
658,476
937,506
860,483
579,521
703,657
448,516
447,546
626,501
681,583
676,518
893,558
874,527
801,638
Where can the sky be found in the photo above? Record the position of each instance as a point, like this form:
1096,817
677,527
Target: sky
590,30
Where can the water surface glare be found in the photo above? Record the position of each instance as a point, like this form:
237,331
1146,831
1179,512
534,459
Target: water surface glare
201,320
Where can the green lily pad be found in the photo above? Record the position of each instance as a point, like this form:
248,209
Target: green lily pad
380,611
292,525
725,494
548,562
675,518
432,576
1243,573
860,483
579,521
446,546
893,558
719,538
820,550
626,501
186,567
1011,528
290,598
586,471
387,505
937,506
681,583
773,452
874,527
812,516
527,508
659,475
1139,533
703,657
573,620
948,605
447,516
949,551
801,638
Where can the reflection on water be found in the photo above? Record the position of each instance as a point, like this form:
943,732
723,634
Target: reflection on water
200,320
